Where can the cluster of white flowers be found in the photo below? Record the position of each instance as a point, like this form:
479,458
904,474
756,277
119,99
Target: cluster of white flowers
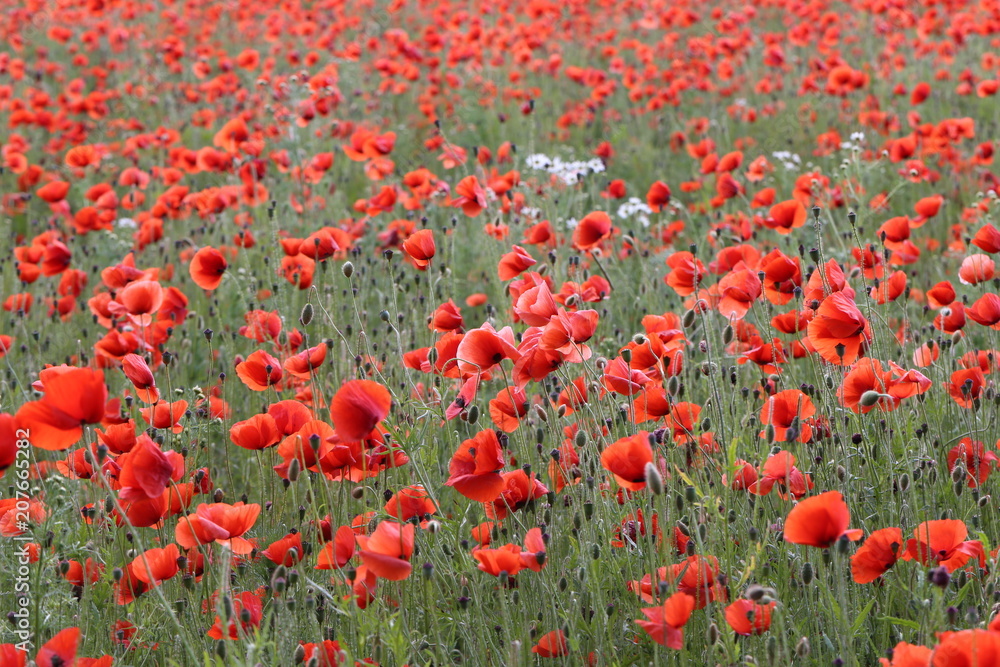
790,161
569,172
855,144
636,208
529,213
127,223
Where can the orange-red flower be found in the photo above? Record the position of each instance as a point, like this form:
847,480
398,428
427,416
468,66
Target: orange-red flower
626,459
747,617
942,542
387,551
420,249
592,230
820,521
879,553
665,623
838,331
220,523
358,407
207,268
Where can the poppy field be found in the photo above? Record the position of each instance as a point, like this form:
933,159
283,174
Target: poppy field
507,333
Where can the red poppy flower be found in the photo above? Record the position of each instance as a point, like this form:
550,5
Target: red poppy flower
747,617
220,523
658,196
475,468
908,655
409,502
820,521
592,230
259,371
483,349
337,553
358,407
627,458
519,488
420,248
53,192
137,371
942,542
387,551
839,331
665,623
285,551
879,553
207,268
145,471
304,363
966,386
60,651
257,432
785,412
165,415
73,397
248,610
471,196
513,263
786,216
976,461
780,470
686,273
551,645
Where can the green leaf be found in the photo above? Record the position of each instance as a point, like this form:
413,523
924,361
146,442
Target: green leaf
862,616
913,625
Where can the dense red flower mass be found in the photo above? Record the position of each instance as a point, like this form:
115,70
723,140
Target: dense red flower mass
411,332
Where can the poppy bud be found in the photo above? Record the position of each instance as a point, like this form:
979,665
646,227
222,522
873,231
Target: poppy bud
306,316
227,608
294,469
870,398
473,415
807,574
347,269
299,654
904,482
688,319
580,439
939,576
654,479
220,649
803,649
